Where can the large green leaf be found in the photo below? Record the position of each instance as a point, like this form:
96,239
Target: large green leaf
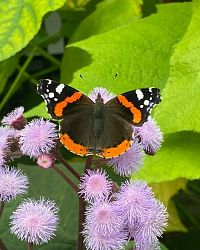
178,157
20,20
181,97
48,184
134,50
109,14
139,51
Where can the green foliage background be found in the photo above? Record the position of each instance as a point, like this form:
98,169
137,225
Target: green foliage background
147,44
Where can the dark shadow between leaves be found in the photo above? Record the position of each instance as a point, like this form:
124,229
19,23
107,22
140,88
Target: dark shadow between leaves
80,59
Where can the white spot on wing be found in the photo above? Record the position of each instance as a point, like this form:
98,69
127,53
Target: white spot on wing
146,102
139,94
51,95
60,88
141,106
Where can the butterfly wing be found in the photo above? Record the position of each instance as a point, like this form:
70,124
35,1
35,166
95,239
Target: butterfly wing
60,98
116,136
134,106
76,131
74,108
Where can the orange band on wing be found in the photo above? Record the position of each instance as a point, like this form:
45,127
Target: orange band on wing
61,105
116,151
136,112
72,146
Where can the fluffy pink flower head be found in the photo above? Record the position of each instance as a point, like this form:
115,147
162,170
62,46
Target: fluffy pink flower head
45,161
38,137
104,218
105,94
134,198
150,226
113,241
150,135
12,183
35,221
128,162
15,119
94,185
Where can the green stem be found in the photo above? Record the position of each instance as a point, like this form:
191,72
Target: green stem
27,75
17,79
49,57
45,71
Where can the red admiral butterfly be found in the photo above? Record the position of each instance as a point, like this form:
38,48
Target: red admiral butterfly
89,127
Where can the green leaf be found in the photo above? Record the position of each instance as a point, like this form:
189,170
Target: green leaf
181,104
178,157
109,14
139,51
39,110
48,184
164,191
20,21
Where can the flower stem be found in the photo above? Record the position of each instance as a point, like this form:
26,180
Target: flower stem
82,207
29,246
2,205
66,178
2,246
62,160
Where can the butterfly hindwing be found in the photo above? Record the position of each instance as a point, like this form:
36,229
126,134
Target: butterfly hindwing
135,106
59,97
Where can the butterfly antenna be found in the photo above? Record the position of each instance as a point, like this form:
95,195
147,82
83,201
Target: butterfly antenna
81,76
116,75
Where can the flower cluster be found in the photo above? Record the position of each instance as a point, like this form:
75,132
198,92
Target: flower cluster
35,139
113,218
33,221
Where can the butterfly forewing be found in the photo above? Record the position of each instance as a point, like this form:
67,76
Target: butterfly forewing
60,98
134,106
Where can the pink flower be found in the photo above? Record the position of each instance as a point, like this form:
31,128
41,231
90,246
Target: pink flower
150,136
150,226
12,183
114,241
45,161
105,94
15,119
134,198
38,137
104,218
94,185
35,221
128,162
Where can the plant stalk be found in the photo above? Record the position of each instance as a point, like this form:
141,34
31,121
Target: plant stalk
2,205
82,207
62,160
29,246
66,178
2,246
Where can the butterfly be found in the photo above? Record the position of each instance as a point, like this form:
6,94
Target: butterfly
93,127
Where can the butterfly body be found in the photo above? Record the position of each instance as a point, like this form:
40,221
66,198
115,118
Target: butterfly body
94,127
